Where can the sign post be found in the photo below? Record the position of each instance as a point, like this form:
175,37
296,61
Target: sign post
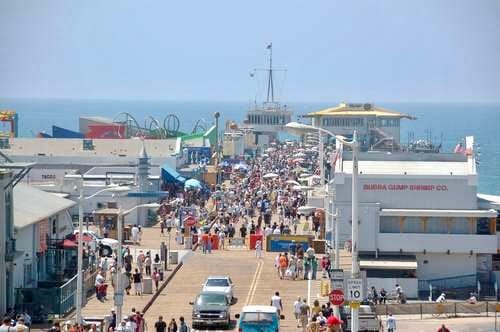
355,292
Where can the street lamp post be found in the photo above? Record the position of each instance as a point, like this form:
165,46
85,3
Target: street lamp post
79,272
118,297
299,128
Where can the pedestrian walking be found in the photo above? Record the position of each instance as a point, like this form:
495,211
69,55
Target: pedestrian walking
160,325
296,310
156,278
222,236
147,263
172,326
137,277
135,234
258,249
304,314
182,325
391,323
277,303
162,227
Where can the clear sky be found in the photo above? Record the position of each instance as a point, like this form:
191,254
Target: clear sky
366,50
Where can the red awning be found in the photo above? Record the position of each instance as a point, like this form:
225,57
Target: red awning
68,244
76,237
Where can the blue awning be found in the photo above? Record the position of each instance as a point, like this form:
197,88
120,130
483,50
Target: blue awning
169,175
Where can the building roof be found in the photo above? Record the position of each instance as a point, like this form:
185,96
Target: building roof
345,109
396,167
438,213
32,205
117,171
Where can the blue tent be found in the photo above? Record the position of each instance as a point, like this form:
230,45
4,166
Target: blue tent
170,175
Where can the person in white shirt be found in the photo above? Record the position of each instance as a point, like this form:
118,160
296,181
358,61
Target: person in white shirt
222,236
20,326
135,234
296,310
131,325
391,323
258,249
276,302
441,298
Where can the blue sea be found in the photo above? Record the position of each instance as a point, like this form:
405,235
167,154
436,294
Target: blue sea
445,123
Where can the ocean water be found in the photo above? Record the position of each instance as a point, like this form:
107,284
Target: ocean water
445,123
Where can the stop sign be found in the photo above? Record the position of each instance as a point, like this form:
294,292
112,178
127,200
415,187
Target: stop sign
336,297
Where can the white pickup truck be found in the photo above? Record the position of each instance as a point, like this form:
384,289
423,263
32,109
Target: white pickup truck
368,320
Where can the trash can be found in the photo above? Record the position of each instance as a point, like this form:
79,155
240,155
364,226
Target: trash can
127,233
174,257
147,285
253,240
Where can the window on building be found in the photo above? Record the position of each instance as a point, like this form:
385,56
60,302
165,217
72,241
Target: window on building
459,226
389,225
483,226
413,225
437,226
28,274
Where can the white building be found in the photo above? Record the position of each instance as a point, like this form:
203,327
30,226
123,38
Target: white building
418,217
40,218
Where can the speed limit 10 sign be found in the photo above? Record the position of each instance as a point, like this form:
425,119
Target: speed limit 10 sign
354,289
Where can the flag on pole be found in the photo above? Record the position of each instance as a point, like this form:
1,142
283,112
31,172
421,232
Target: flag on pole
269,46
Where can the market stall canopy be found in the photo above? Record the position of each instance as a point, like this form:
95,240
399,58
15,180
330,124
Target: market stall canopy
170,175
192,184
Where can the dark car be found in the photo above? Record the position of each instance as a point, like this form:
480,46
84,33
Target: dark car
211,309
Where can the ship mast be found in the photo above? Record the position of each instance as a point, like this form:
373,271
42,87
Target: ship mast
270,83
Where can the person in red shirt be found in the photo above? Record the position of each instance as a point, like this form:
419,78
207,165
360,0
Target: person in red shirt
443,329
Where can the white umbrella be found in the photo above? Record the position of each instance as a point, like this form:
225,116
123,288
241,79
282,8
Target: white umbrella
270,176
315,177
270,149
298,160
302,188
306,209
292,182
304,175
299,155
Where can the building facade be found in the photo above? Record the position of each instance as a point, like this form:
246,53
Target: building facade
420,212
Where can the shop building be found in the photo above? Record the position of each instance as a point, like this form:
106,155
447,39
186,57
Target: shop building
419,218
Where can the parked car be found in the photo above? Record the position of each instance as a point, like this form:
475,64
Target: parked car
211,309
105,245
259,318
368,319
220,284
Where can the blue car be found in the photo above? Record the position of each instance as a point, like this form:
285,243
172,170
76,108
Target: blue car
259,318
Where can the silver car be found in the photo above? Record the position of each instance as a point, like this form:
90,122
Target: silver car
220,284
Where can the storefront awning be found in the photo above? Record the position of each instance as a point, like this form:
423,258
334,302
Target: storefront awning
170,175
437,213
388,264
